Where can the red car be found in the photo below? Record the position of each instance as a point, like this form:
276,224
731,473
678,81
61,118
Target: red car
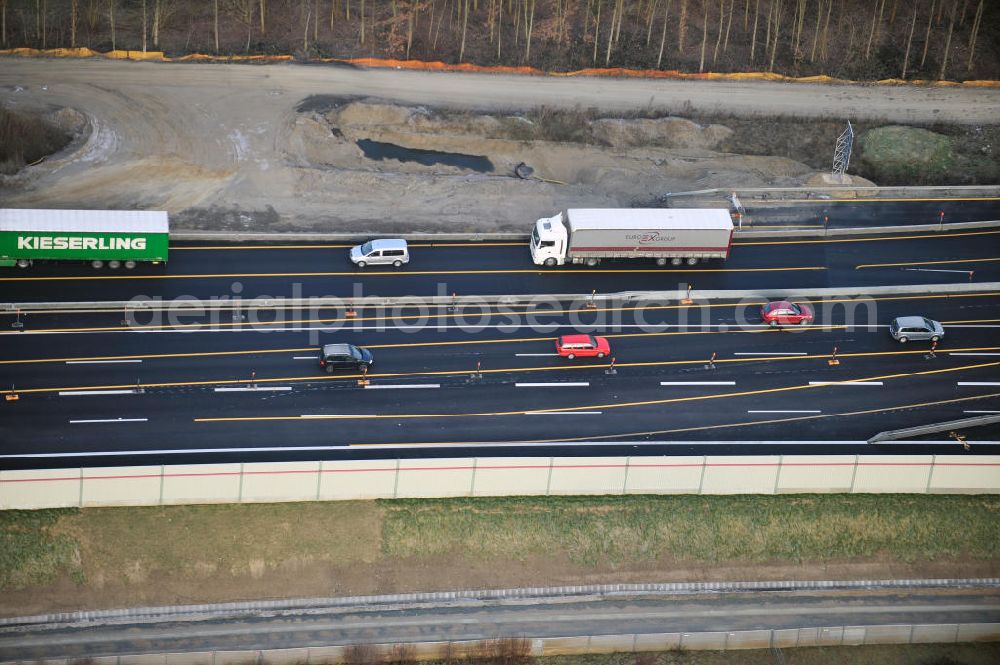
782,312
584,346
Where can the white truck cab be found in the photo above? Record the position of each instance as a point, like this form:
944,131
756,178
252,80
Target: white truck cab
548,241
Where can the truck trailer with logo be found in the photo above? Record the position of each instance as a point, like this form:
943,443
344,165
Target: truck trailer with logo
112,238
665,235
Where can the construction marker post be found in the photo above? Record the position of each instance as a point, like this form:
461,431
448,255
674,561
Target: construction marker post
941,222
590,304
453,307
711,362
971,273
611,369
253,379
350,313
961,439
12,396
686,300
18,324
363,381
832,362
931,355
138,390
478,374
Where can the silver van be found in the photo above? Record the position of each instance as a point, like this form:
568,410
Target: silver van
905,328
392,252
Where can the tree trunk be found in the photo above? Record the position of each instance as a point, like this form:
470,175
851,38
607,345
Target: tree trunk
215,23
753,39
362,22
649,21
777,33
111,22
927,37
465,28
145,25
72,23
305,26
682,25
729,25
663,35
909,42
975,33
409,32
819,19
718,38
947,43
3,20
611,35
529,26
824,48
871,33
597,30
316,22
704,38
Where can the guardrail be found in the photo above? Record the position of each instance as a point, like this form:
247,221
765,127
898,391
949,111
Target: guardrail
344,480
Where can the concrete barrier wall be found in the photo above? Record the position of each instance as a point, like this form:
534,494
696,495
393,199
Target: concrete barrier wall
497,476
583,644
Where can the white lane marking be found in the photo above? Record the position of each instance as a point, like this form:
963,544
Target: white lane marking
535,355
772,353
111,420
817,411
321,416
563,413
981,412
964,272
305,357
973,354
569,384
845,383
387,386
252,389
697,383
979,383
95,392
99,362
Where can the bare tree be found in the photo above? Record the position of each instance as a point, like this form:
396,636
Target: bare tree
753,39
663,35
975,33
529,26
909,42
947,43
704,38
111,23
718,39
245,13
215,23
465,29
777,31
927,37
263,13
682,25
145,26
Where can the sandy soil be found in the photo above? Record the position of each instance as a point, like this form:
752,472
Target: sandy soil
226,146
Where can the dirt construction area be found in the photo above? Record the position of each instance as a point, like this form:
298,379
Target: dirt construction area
264,148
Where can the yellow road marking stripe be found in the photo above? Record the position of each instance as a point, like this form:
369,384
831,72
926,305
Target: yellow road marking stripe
922,263
886,200
340,246
591,407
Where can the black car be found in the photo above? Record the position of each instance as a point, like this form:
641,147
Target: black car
344,356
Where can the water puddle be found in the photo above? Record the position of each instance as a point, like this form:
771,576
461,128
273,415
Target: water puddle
379,151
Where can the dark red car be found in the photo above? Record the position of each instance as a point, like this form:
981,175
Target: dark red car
784,313
582,346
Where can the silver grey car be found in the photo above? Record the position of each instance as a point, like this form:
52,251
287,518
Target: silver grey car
905,328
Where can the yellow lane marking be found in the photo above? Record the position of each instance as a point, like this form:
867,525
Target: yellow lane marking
501,370
408,273
866,239
339,246
571,409
751,227
922,263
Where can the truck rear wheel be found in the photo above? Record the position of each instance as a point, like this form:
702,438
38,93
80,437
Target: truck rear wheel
129,265
692,261
591,262
114,265
661,261
676,261
97,264
23,263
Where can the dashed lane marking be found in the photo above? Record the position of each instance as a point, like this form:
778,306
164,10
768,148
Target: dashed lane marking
924,263
791,411
253,389
103,362
402,386
83,393
697,383
567,384
110,420
845,383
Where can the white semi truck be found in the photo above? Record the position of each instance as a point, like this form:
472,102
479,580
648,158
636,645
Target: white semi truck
666,235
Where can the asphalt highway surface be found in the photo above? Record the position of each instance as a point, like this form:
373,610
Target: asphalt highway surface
475,381
477,620
297,271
